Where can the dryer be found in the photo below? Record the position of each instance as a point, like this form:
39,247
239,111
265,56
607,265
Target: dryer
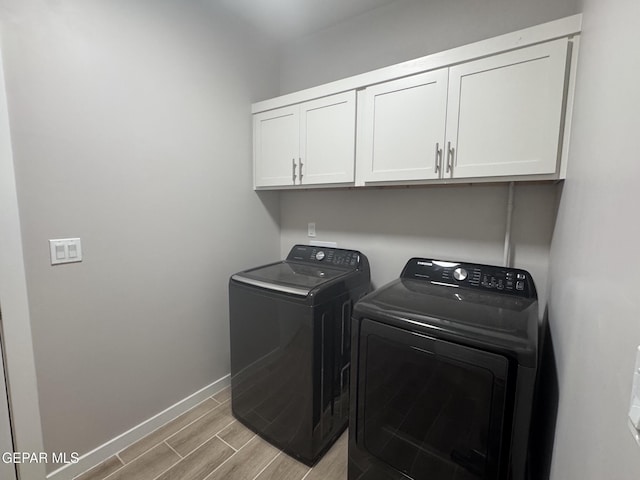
444,363
290,346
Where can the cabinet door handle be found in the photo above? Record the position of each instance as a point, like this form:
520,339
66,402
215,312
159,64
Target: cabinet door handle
293,170
300,164
450,154
438,164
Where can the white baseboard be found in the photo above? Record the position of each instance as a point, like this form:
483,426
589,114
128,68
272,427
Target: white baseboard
103,452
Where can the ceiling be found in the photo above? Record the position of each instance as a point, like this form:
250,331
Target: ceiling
288,19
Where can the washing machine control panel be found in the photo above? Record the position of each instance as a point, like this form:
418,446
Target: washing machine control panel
511,281
331,257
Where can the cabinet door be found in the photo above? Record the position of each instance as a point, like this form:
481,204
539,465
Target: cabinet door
505,112
276,147
327,139
404,125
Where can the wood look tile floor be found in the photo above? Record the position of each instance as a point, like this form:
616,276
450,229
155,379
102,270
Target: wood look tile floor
207,443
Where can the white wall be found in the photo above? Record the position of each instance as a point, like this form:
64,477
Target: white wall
391,225
594,307
131,129
407,29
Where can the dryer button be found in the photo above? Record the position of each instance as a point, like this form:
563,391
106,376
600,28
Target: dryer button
460,274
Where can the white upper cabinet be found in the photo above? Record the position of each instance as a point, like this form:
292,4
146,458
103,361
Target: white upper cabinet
276,145
504,113
307,144
495,110
327,140
494,117
404,128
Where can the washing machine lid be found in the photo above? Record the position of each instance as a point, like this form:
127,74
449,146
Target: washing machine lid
288,277
431,299
306,268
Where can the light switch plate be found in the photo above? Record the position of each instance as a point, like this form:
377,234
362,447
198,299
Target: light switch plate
311,229
65,250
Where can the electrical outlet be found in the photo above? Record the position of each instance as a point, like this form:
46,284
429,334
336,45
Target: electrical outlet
311,229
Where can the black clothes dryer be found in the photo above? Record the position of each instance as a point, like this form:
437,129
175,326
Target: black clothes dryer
290,347
443,372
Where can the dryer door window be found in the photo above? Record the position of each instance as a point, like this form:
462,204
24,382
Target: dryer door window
428,408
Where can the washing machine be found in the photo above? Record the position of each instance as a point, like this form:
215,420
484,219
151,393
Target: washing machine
290,347
444,364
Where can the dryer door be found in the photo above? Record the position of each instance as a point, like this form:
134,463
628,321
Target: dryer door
430,409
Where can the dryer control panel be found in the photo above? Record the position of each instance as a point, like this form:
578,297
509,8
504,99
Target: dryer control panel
511,281
331,257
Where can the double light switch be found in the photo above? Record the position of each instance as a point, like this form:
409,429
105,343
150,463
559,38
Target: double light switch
65,250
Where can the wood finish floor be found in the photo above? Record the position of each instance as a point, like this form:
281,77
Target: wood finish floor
207,443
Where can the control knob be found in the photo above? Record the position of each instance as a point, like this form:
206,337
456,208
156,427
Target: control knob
460,274
320,255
